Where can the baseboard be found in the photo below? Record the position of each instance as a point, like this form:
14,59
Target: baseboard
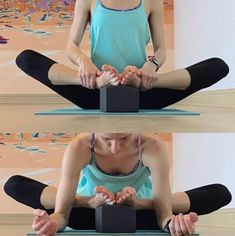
224,98
219,219
16,219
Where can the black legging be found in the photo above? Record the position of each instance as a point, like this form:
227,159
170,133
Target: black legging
203,200
203,74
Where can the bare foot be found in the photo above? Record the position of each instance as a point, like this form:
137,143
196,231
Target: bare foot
126,197
109,76
109,196
131,79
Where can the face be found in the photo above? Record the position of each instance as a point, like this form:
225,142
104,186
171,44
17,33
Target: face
114,142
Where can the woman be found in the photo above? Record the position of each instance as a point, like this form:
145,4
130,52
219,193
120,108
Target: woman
105,179
119,32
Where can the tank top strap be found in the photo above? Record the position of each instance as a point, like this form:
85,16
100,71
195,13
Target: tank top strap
92,147
139,150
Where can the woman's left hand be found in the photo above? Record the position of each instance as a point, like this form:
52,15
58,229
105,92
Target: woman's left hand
183,224
148,76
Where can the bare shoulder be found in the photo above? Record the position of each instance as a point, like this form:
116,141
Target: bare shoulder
154,150
152,141
78,150
82,5
153,6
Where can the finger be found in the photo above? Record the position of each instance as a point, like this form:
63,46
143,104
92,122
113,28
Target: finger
93,80
88,81
39,225
39,212
190,226
124,81
172,226
177,226
193,217
108,200
183,225
83,80
45,230
114,80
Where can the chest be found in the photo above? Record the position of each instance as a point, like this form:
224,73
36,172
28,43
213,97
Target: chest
121,5
121,163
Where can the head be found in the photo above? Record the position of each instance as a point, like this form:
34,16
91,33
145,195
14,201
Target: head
114,142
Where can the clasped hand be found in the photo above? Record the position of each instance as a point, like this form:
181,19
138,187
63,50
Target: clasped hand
105,197
144,78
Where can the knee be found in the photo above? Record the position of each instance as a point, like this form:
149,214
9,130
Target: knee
220,66
12,186
223,193
24,59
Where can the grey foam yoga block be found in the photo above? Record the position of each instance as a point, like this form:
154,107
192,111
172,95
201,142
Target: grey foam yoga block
119,99
115,219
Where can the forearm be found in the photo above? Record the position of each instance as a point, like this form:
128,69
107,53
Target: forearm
83,201
75,54
144,204
160,55
163,211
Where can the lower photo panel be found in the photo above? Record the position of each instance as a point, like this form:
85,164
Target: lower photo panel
117,183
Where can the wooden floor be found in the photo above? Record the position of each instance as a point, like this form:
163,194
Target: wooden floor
217,109
18,117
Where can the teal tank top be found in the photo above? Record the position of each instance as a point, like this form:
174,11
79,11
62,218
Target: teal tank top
119,37
92,176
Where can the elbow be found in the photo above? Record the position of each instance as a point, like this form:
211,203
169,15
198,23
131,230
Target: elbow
68,51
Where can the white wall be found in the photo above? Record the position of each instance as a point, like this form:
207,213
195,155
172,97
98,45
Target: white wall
200,159
204,29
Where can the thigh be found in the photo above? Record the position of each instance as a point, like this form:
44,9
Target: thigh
159,98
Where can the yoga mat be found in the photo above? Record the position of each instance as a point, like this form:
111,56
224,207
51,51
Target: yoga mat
93,232
76,111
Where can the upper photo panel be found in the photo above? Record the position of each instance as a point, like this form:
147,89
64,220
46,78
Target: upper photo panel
114,66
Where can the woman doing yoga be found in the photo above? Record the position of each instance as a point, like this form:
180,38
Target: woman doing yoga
115,168
119,33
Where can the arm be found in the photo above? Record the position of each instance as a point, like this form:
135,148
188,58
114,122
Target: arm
75,158
148,74
155,156
156,25
87,71
81,18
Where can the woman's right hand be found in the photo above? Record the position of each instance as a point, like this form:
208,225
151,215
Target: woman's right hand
43,224
87,73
